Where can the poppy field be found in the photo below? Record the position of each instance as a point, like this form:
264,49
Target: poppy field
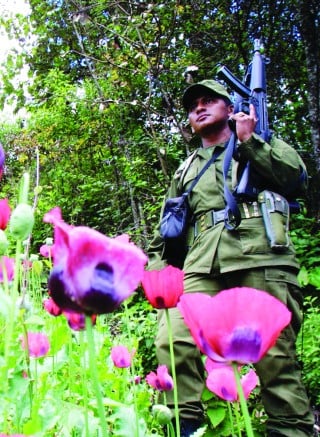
78,322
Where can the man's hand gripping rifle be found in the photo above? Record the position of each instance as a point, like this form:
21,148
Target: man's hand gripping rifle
275,208
252,90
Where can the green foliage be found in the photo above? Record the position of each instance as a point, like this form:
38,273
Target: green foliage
308,347
225,419
305,234
106,131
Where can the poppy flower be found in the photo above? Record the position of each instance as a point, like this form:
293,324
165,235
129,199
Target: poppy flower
121,357
236,325
2,160
5,212
51,307
160,380
221,381
46,251
77,321
6,268
164,287
37,344
92,273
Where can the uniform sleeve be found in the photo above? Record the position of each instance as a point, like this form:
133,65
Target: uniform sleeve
277,162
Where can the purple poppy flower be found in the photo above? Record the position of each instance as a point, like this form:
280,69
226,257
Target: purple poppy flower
37,344
161,380
51,307
46,251
2,160
121,357
77,321
237,325
92,274
221,381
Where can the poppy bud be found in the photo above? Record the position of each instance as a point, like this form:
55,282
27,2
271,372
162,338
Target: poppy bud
162,414
21,221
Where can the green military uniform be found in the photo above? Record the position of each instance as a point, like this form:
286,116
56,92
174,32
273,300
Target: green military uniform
219,259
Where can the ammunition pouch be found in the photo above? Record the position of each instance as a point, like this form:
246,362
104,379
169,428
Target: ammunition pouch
275,213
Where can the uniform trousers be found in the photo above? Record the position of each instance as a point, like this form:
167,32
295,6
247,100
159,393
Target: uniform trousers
283,394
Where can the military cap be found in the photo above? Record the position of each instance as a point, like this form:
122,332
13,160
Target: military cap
195,90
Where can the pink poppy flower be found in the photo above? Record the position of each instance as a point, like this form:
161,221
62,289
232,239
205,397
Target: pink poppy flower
121,357
221,381
5,212
46,251
51,307
92,274
6,268
77,321
163,288
37,344
161,380
237,325
137,379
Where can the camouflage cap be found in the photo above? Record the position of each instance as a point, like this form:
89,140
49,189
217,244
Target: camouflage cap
195,90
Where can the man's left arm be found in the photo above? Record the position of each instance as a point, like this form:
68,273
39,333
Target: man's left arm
277,162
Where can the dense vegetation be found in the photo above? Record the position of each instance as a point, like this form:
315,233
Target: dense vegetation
106,128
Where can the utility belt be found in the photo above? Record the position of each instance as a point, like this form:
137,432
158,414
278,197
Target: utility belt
272,207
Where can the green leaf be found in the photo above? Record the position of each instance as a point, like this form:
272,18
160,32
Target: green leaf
216,415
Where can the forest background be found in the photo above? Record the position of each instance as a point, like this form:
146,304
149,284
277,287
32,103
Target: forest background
105,128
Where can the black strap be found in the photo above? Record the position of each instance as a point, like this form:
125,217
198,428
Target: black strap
215,155
232,217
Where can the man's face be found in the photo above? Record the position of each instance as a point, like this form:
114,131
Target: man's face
208,112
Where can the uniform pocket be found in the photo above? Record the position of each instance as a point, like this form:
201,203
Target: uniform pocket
252,237
283,285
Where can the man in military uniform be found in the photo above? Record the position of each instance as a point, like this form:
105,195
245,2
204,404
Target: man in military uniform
220,258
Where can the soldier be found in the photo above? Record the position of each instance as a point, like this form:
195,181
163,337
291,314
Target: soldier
220,258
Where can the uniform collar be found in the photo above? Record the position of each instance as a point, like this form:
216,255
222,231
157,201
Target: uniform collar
205,152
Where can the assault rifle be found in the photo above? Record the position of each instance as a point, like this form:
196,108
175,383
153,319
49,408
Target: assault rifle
251,90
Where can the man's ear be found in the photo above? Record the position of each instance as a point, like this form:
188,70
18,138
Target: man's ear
230,109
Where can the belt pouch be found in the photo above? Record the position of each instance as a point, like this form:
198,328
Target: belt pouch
275,213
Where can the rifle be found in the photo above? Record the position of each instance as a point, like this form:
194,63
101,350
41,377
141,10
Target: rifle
251,90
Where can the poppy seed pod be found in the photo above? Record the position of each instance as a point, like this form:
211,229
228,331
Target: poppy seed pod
21,221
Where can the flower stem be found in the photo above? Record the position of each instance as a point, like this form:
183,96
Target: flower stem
236,412
243,402
94,374
173,370
132,369
83,380
230,417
